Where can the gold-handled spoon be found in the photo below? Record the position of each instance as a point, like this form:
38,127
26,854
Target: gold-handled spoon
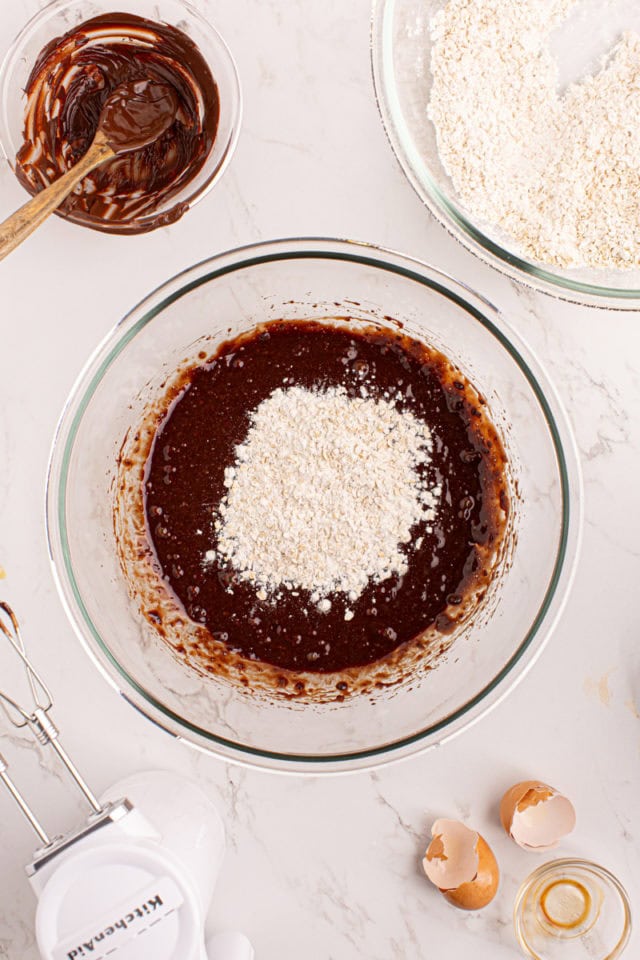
134,115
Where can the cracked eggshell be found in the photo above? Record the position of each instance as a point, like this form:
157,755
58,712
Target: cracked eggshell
461,865
536,816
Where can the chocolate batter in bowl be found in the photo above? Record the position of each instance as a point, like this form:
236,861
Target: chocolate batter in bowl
324,498
122,586
66,73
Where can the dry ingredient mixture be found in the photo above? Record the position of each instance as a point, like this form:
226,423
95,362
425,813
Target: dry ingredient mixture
559,172
324,493
317,497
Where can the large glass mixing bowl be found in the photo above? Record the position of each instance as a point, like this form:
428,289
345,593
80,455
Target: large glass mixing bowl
401,55
317,279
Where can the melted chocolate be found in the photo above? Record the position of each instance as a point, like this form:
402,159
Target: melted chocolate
185,484
137,113
68,87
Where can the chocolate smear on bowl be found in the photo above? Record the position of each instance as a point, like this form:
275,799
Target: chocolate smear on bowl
69,85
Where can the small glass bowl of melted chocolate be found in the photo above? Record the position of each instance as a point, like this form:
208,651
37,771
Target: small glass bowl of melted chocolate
56,78
313,506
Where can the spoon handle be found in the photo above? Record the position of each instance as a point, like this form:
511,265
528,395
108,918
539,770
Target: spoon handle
24,221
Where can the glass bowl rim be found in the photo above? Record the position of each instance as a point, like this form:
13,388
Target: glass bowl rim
235,101
246,257
446,212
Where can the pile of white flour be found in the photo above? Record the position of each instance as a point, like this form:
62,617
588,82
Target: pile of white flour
558,173
325,492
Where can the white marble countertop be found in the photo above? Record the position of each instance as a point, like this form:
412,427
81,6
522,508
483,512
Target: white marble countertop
327,868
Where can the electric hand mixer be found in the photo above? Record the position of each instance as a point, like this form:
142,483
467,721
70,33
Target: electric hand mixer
136,880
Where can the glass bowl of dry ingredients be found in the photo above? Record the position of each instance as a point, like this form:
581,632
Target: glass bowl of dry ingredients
59,71
313,506
518,125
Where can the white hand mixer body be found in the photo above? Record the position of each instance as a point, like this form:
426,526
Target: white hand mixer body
137,880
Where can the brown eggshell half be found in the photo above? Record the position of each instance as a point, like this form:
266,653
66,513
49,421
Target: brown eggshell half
461,864
535,815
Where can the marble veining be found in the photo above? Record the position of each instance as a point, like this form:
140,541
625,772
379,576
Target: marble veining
327,869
